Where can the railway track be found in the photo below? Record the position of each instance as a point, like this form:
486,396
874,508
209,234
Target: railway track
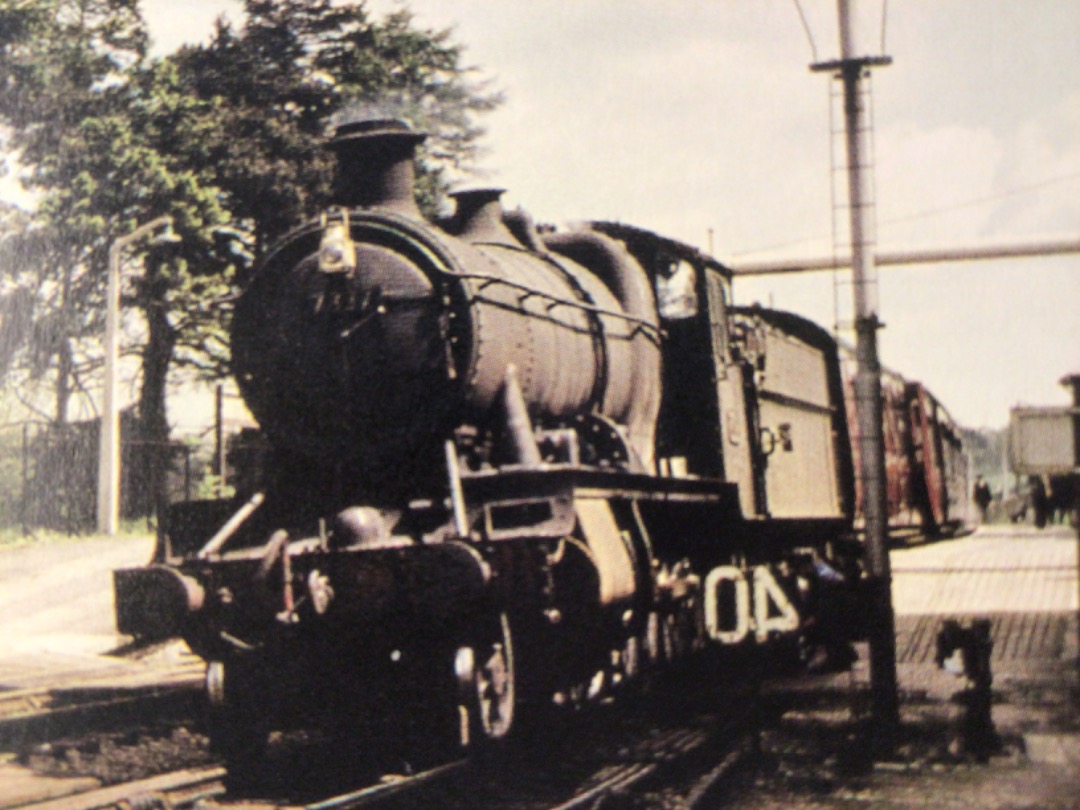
41,714
178,790
101,700
668,745
205,789
671,757
680,746
688,766
695,736
688,760
620,779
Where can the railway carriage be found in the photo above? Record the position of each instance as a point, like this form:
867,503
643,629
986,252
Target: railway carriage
926,466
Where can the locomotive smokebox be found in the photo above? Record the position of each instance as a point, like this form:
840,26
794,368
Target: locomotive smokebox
375,165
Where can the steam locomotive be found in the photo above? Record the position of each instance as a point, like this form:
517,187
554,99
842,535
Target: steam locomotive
509,468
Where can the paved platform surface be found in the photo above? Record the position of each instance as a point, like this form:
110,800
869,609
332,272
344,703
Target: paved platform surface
57,616
997,569
1023,580
57,629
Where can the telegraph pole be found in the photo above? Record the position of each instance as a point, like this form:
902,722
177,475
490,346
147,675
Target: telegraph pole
853,71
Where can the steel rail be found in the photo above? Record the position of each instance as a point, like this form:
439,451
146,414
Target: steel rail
36,715
673,750
58,690
205,789
22,704
624,777
703,791
392,786
176,790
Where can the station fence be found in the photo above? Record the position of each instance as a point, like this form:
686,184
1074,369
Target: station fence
49,472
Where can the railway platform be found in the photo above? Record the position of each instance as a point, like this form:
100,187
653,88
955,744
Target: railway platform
58,645
1024,582
57,624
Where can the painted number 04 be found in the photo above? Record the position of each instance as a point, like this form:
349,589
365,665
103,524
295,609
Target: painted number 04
739,602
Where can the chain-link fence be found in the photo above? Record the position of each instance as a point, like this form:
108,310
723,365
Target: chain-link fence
49,472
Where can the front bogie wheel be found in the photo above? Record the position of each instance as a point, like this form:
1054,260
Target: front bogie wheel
486,676
238,726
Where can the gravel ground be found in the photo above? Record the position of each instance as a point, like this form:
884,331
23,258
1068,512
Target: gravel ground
120,757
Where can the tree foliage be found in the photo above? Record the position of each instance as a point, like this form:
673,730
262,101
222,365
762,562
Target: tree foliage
227,137
62,63
278,84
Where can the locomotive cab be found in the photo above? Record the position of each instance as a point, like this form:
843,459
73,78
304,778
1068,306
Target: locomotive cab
751,395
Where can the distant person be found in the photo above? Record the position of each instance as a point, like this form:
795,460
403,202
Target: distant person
982,497
1037,497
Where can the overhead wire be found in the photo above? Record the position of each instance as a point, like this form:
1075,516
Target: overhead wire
927,213
806,28
981,200
884,19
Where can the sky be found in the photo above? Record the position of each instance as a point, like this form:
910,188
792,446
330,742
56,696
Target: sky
700,119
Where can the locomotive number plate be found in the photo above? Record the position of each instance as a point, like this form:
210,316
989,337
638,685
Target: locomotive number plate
738,602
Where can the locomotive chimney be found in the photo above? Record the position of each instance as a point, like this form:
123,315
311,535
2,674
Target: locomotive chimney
375,165
479,217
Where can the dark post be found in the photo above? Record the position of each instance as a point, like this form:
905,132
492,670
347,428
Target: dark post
219,438
187,473
1072,382
881,621
976,735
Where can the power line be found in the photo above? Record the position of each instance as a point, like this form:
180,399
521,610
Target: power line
981,200
927,213
806,28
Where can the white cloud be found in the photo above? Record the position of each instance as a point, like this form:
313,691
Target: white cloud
1043,163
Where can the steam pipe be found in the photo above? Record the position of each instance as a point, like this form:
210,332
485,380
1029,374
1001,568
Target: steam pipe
617,269
457,493
1048,247
215,543
518,424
